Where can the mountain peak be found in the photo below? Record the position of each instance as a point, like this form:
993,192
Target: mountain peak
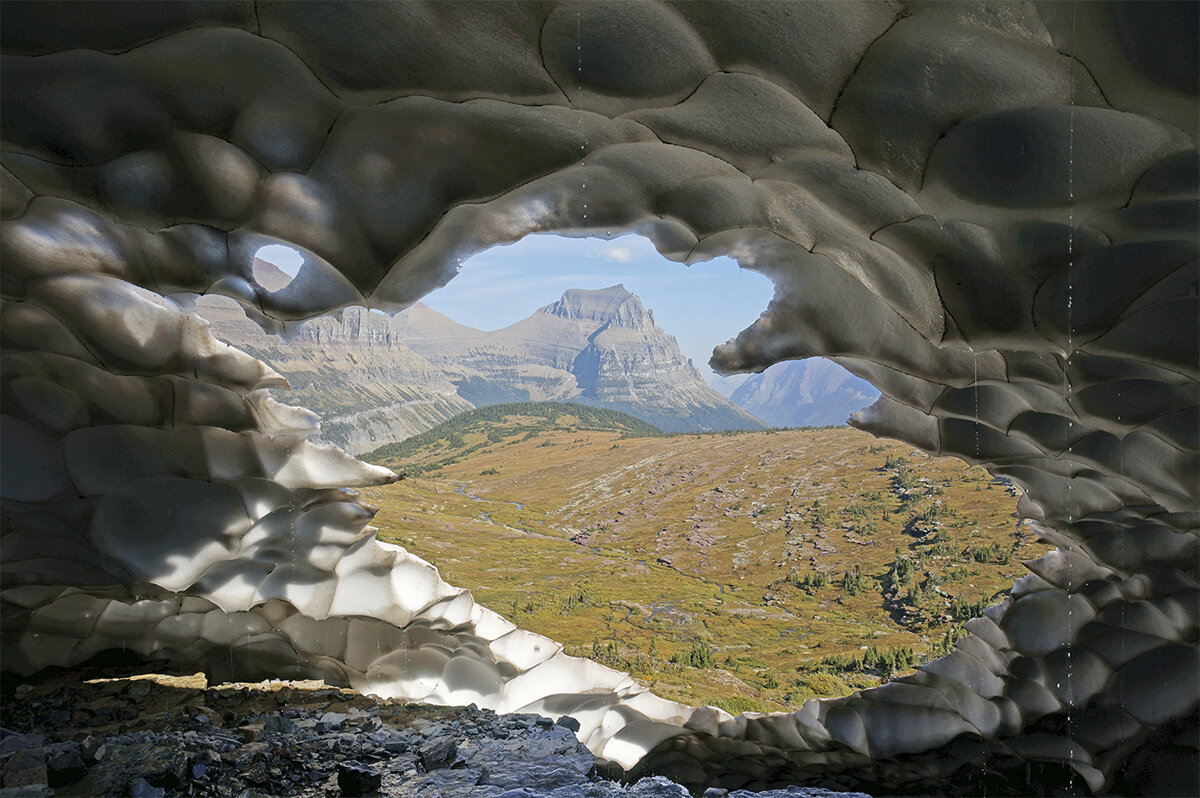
601,306
618,291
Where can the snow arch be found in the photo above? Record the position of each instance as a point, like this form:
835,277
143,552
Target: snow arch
987,210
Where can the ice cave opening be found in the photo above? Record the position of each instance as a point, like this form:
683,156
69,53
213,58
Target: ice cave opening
986,210
275,266
494,336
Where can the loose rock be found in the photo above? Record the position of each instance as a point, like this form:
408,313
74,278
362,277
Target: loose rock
325,742
355,778
64,764
438,752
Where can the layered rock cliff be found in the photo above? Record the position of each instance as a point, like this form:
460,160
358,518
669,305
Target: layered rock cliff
356,372
599,347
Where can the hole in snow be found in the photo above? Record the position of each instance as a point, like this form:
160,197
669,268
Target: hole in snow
701,306
275,266
744,569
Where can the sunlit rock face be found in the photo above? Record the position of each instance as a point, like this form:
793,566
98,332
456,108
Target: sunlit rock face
988,211
368,386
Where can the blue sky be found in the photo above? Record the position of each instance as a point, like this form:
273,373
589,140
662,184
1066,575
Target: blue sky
287,259
702,305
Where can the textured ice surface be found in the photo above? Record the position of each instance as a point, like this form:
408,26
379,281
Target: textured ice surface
987,210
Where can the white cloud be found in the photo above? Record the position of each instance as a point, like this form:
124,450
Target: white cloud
618,254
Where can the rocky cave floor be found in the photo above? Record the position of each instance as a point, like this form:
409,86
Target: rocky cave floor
110,732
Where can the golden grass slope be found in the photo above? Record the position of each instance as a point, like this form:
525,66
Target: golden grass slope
751,570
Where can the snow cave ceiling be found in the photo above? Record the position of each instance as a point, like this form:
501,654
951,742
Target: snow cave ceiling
988,210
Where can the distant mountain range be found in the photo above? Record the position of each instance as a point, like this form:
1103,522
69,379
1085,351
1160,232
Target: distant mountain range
600,348
804,393
376,379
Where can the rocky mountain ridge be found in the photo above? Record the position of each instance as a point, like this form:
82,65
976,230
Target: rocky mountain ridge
376,379
368,386
599,347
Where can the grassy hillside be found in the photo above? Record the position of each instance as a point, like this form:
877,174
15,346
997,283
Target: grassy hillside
455,439
751,570
689,419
